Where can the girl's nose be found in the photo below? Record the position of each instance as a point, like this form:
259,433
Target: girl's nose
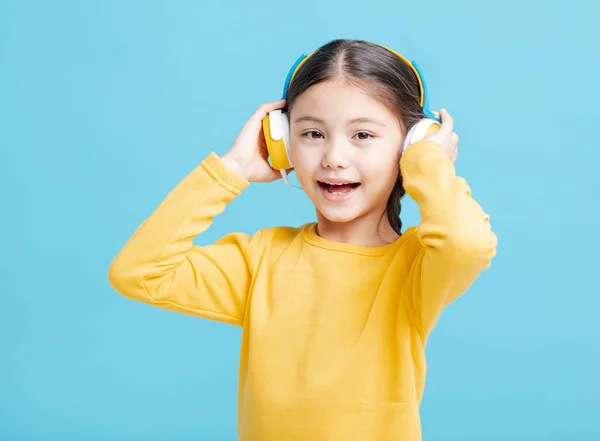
336,155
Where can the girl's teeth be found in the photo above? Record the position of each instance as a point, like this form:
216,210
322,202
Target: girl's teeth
339,188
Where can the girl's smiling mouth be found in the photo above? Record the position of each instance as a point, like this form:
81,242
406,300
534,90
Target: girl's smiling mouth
337,190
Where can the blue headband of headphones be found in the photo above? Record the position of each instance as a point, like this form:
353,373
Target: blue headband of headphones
425,108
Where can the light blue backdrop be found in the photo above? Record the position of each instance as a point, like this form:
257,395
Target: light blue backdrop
105,106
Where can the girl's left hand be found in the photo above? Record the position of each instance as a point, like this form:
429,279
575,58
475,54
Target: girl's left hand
446,137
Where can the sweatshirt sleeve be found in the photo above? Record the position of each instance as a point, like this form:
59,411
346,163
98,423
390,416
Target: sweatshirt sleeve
455,236
159,265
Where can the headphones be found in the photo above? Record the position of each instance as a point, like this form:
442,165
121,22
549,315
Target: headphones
276,125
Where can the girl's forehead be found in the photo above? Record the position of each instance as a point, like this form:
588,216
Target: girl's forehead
339,99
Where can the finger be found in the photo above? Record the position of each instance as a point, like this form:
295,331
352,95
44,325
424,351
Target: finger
455,138
266,108
447,121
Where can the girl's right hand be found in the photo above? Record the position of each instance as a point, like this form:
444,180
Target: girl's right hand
248,156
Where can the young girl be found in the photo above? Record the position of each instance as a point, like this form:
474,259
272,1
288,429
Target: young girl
335,314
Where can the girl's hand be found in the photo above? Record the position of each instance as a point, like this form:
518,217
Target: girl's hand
248,155
445,137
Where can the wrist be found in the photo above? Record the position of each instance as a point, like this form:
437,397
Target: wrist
234,165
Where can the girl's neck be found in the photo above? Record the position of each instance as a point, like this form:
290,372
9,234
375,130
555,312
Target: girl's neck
366,231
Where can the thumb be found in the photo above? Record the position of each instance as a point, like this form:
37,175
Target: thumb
447,122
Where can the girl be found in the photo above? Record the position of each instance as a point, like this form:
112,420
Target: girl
335,314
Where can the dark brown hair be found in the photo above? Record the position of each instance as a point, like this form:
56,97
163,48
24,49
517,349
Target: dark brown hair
376,70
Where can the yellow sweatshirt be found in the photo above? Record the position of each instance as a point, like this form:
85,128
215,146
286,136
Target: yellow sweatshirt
333,334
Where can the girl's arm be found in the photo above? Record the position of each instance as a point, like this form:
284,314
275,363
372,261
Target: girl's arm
454,232
160,265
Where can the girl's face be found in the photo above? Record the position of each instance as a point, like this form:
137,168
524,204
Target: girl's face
346,148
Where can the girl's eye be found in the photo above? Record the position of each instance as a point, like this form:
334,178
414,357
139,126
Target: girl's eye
313,134
363,135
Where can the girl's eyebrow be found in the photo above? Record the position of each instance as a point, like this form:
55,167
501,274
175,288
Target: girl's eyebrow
367,120
309,118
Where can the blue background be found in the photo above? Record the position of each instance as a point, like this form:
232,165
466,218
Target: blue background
105,106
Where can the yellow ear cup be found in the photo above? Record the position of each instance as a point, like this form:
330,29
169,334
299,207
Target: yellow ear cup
420,130
432,129
275,145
